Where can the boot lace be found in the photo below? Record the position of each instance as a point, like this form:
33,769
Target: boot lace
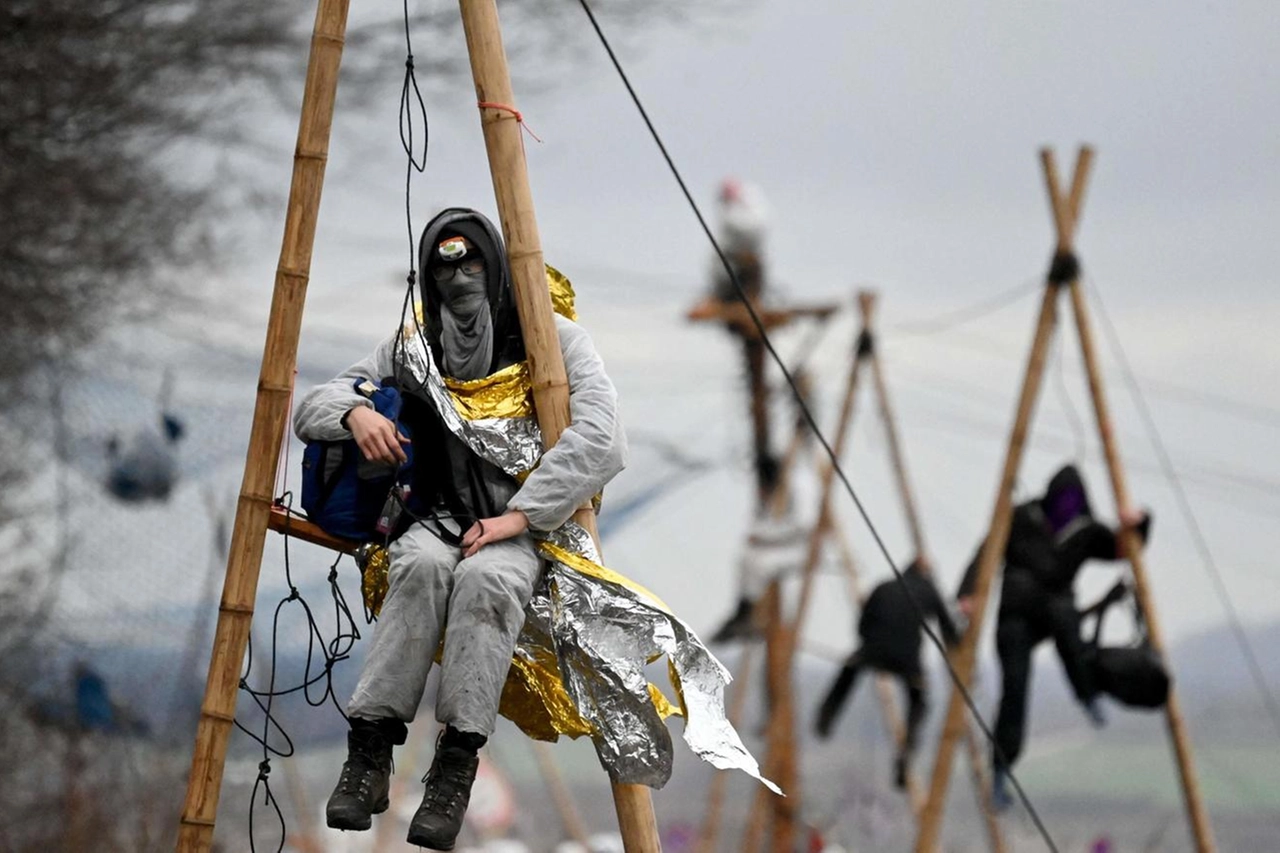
447,785
361,765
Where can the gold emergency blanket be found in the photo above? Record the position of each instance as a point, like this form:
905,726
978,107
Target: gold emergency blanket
579,666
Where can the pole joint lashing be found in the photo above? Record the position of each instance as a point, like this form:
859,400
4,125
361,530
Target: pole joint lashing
1064,268
866,346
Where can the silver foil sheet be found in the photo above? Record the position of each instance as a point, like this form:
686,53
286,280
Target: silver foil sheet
601,633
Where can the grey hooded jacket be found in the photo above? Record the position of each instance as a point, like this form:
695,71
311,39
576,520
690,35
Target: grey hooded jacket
590,452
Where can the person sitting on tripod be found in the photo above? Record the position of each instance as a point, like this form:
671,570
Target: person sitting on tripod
462,556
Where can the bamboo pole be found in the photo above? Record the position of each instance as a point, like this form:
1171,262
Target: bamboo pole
897,460
570,819
514,198
270,414
709,835
867,304
780,651
782,719
965,656
982,788
889,711
783,745
1132,549
777,507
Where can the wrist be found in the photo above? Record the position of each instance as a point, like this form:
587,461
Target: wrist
345,420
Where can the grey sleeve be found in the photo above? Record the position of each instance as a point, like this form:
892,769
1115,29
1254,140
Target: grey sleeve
590,452
318,415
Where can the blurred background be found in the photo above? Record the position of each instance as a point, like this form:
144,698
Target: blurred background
145,155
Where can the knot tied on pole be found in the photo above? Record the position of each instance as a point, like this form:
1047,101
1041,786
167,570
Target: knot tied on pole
1064,268
519,117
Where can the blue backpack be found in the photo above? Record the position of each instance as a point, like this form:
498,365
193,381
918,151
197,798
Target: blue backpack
343,492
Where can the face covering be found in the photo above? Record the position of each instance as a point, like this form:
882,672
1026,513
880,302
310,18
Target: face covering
466,326
1064,506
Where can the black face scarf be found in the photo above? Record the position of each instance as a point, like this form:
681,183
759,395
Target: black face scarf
466,326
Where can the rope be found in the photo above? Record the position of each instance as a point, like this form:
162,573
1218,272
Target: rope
809,418
282,467
949,320
1069,407
1184,505
409,94
519,119
346,633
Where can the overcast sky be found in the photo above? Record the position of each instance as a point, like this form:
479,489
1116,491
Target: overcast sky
897,145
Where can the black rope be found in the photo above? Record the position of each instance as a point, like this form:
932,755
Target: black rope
411,101
273,738
1184,504
949,320
268,799
1068,406
346,632
1064,268
961,688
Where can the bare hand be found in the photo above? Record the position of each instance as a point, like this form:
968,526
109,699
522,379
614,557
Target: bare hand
376,436
965,605
1132,517
487,530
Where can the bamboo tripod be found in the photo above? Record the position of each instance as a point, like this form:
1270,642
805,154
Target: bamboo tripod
777,503
782,639
501,126
1063,273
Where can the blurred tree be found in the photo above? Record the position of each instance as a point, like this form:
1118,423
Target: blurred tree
103,203
93,97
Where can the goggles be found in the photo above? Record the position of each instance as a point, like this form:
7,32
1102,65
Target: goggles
469,266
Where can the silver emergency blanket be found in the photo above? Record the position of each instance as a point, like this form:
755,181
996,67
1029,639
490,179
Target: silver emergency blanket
601,628
513,444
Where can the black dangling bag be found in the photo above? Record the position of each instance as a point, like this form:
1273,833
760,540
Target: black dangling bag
1133,675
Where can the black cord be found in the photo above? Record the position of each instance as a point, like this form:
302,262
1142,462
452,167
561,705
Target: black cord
409,94
949,320
809,418
346,633
268,799
1068,407
1184,504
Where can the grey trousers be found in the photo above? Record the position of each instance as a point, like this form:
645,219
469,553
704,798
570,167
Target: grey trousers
481,600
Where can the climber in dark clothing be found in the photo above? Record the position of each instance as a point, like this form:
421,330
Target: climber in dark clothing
890,632
1049,540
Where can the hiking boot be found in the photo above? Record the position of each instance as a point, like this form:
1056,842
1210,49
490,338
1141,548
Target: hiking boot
740,626
366,774
444,803
825,721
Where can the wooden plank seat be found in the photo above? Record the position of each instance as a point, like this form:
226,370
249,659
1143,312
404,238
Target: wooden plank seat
295,524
